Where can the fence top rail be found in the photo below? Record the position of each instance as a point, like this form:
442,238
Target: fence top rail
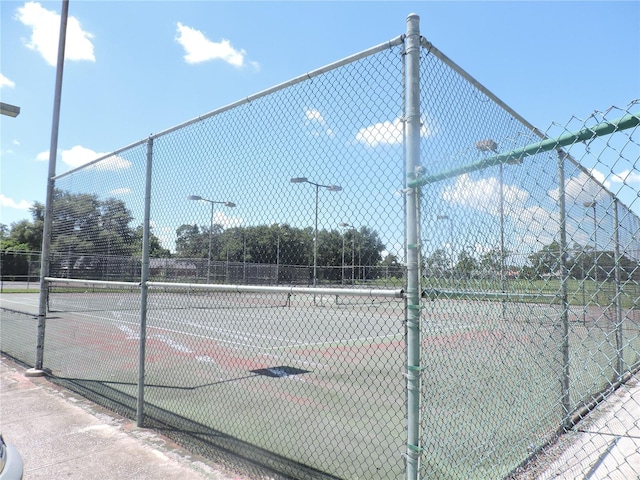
517,156
432,49
301,78
347,292
78,281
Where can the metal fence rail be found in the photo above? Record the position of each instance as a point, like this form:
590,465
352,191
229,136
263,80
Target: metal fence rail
375,270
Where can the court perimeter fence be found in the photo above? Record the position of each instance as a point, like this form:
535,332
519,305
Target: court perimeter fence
499,301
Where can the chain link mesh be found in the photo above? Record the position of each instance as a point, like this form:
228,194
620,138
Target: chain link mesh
530,309
298,188
271,303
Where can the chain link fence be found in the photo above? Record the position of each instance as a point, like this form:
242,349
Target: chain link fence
284,278
530,272
19,269
271,306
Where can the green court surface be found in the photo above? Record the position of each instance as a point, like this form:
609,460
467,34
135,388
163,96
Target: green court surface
320,379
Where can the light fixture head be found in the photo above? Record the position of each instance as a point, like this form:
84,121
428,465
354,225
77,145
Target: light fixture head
9,110
194,197
487,145
299,180
514,160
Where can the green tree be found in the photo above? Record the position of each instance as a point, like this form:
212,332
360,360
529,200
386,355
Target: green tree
190,242
25,235
437,263
466,264
546,260
366,250
492,260
156,250
392,268
579,261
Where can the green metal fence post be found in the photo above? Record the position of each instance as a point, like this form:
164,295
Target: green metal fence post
144,278
413,124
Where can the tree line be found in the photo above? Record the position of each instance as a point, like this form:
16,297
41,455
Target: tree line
581,261
99,235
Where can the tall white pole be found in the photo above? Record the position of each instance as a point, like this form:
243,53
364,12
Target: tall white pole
48,218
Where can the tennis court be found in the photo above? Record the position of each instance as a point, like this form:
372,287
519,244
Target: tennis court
273,367
269,368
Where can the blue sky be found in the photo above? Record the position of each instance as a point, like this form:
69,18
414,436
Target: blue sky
135,68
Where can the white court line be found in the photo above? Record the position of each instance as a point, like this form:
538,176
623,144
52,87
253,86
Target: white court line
245,345
229,332
204,337
23,303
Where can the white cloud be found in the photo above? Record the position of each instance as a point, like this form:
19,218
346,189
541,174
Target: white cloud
120,191
220,218
536,227
199,48
312,114
581,188
626,176
45,29
5,82
11,203
601,177
389,132
318,125
78,156
484,194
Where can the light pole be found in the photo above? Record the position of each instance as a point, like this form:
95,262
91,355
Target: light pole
489,145
212,203
448,218
353,250
331,188
592,204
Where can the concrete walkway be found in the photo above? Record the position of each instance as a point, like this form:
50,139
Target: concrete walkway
605,445
62,435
